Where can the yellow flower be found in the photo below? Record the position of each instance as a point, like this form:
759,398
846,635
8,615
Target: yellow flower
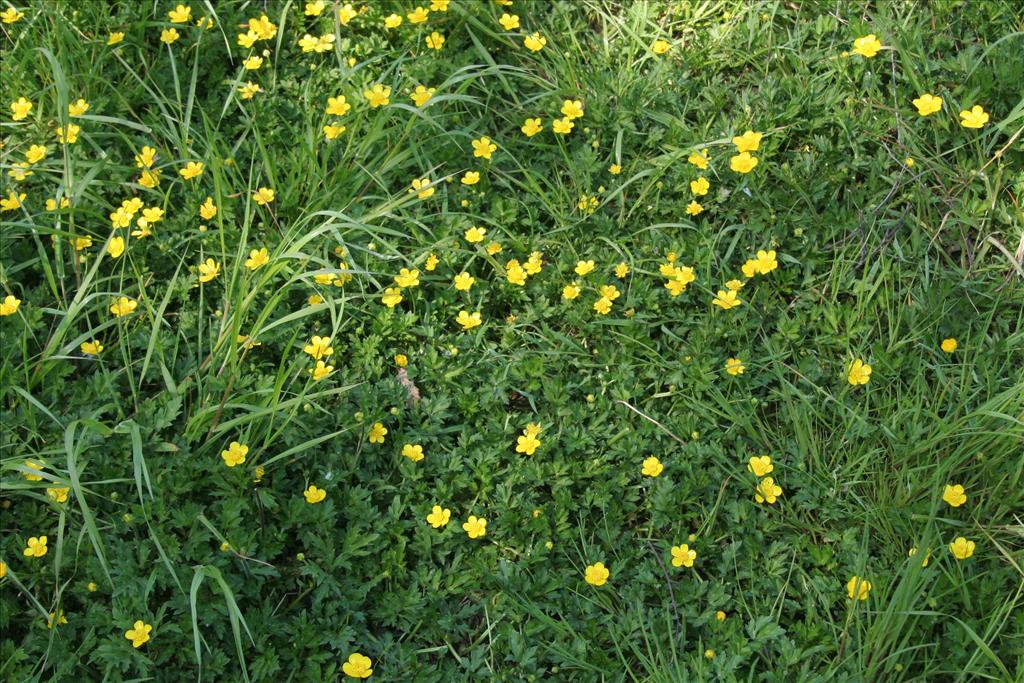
615,169
720,615
734,366
596,574
192,170
610,292
439,516
123,306
20,108
435,41
422,95
377,433
726,299
418,15
683,556
392,297
208,270
463,281
248,90
68,134
584,267
169,35
115,247
320,371
257,258
765,262
509,22
78,108
36,547
378,96
760,465
468,320
954,495
12,202
35,153
401,360
693,208
407,278
562,126
263,196
319,347
949,345
139,633
927,556
235,454
622,270
180,14
56,619
660,47
748,142
975,118
58,494
528,443
115,37
332,131
858,588
431,263
475,527
9,16
314,9
357,666
535,42
652,467
570,292
767,491
493,248
33,466
471,178
423,187
867,46
483,147
961,548
699,160
531,127
413,451
252,63
392,21
439,5
475,235
927,104
346,14
859,373
93,348
743,162
572,109
208,210
314,495
603,305
700,186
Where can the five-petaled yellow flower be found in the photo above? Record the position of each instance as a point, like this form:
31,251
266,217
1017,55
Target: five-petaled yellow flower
509,22
468,320
483,147
858,588
319,347
927,104
660,47
358,666
139,633
235,454
439,516
683,556
652,467
413,451
859,373
435,41
257,258
949,345
123,306
421,95
378,96
377,433
36,547
263,196
954,495
867,46
743,162
596,574
961,548
208,270
767,491
314,495
734,366
475,527
760,465
975,118
535,42
531,127
726,299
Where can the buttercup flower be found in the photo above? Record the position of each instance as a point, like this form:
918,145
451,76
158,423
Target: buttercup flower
346,14
115,38
743,162
463,281
418,15
263,196
11,15
535,42
392,297
562,126
527,444
468,320
700,160
78,107
767,491
138,634
748,142
961,548
235,454
169,35
683,556
949,345
192,170
509,22
378,96
858,588
377,433
313,9
10,304
422,95
652,467
115,247
596,574
531,127
36,547
700,186
726,299
975,118
471,178
435,41
320,370
483,147
12,202
257,258
208,209
867,46
475,527
407,278
584,267
20,109
208,270
660,47
439,516
927,104
314,495
249,90
954,495
392,21
734,366
760,465
413,451
337,106
180,14
123,306
622,270
93,348
423,187
319,347
859,373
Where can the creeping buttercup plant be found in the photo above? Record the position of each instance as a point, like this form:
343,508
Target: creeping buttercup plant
511,340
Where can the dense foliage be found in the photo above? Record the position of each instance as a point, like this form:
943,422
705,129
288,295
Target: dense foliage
218,505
